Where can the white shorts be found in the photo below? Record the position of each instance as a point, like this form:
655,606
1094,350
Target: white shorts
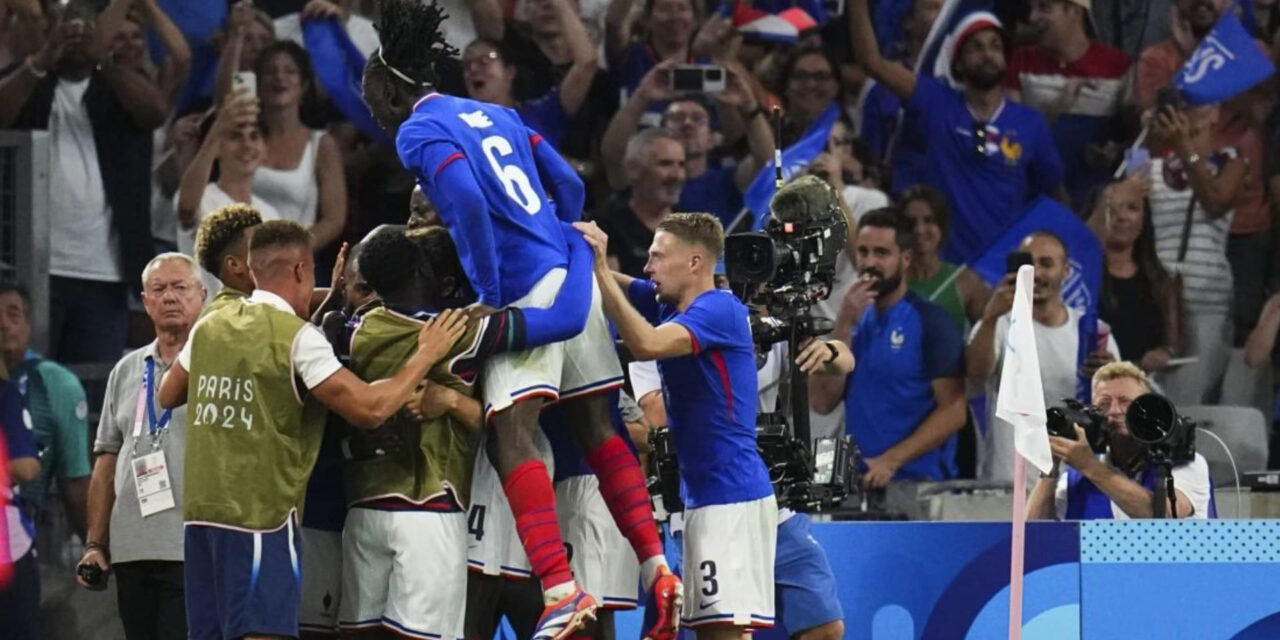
493,546
601,558
728,563
586,363
321,580
404,570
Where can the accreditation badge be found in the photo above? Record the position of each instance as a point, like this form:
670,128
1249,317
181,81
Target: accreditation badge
151,477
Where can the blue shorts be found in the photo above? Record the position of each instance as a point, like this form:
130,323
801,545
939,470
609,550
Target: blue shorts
240,583
806,594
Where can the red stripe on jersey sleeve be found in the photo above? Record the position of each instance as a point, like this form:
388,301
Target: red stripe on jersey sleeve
534,140
448,161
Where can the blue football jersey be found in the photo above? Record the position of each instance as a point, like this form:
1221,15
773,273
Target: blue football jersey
520,239
712,398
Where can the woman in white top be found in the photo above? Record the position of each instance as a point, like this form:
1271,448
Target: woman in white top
1193,195
301,175
235,142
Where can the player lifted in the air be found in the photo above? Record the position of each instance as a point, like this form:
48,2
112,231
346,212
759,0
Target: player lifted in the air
502,193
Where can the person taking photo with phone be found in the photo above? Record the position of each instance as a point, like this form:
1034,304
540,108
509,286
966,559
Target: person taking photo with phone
1057,330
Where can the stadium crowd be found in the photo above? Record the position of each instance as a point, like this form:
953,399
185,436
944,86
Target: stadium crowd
204,156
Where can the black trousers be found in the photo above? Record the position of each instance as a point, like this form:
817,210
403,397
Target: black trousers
150,597
20,601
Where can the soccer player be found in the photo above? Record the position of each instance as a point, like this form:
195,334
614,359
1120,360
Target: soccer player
222,250
502,193
706,356
259,377
405,542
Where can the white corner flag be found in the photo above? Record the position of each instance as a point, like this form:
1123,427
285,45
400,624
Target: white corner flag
1021,399
1021,404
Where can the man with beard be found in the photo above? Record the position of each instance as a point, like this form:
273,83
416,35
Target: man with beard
990,156
1119,485
904,402
1057,329
1078,84
655,169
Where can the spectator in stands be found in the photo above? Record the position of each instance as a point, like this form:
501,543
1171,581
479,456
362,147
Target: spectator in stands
1139,298
544,49
1078,84
1119,484
234,142
959,291
1259,352
1250,244
904,402
991,157
1189,23
666,30
59,412
141,544
301,176
880,110
248,33
128,47
1057,329
810,85
655,172
711,185
489,74
20,599
1194,188
100,119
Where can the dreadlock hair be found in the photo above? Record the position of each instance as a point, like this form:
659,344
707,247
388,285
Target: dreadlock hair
387,259
220,232
413,49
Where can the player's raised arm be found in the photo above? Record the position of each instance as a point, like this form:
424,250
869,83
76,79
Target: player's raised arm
559,179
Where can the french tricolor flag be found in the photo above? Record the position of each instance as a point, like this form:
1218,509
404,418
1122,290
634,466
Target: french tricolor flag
785,26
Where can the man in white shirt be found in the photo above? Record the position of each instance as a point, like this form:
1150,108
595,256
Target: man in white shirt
100,117
1120,483
1057,329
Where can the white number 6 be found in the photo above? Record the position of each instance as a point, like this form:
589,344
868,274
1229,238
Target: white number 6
513,179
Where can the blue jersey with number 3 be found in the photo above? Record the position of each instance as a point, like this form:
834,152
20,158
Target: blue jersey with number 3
505,226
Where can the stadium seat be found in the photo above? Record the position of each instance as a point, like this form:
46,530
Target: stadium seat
1242,429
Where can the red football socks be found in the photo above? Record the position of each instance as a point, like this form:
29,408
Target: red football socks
533,503
623,487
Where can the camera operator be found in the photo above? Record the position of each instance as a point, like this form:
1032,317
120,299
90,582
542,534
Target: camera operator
1119,483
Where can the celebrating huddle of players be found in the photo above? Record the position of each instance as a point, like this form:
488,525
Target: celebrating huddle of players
473,366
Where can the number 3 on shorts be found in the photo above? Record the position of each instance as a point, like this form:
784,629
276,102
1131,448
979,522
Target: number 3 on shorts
710,585
514,180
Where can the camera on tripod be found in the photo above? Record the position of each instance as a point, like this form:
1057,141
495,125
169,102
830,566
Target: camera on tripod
1060,422
786,269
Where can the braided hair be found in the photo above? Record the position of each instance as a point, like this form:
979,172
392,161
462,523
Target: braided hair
413,49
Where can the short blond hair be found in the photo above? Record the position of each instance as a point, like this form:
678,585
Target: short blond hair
1119,371
702,229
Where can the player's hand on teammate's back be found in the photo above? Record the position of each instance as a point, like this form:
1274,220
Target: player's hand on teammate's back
599,241
436,400
439,333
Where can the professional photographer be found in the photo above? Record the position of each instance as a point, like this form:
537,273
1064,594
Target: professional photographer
1118,483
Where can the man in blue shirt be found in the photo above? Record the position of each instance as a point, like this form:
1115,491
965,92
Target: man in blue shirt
502,192
706,358
904,402
20,598
989,155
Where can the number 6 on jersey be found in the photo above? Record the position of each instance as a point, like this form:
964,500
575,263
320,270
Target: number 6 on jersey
513,178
